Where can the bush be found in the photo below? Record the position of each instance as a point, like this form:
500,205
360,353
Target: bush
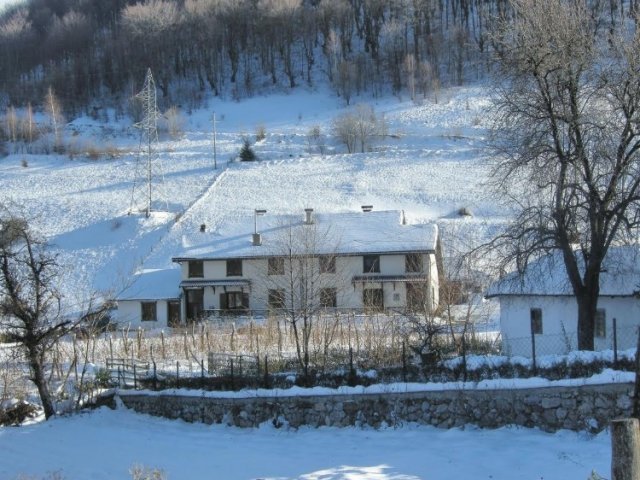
261,133
246,152
140,472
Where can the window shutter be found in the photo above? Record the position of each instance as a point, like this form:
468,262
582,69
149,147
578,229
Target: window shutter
245,300
223,301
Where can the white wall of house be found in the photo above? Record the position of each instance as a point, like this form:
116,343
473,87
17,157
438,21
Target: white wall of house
349,295
130,314
559,323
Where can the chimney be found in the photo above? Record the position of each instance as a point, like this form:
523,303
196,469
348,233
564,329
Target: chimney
308,217
367,208
256,238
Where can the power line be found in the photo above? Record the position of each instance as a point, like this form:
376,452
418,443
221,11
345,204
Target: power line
148,171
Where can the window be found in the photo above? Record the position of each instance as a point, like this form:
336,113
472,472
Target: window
600,327
371,264
149,312
536,321
276,298
195,304
234,267
328,297
196,269
328,264
275,266
234,301
373,299
413,263
173,313
416,297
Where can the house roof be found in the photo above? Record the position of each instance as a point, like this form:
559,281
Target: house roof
547,276
161,284
351,233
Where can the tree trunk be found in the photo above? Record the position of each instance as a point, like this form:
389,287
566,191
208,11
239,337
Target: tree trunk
587,305
40,381
625,449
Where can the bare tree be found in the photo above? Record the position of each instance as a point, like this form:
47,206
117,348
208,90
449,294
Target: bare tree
53,110
303,279
360,126
30,304
568,141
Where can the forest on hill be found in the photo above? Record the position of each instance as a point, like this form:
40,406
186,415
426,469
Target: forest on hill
93,53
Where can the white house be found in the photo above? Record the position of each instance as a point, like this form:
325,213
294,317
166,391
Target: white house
256,264
540,304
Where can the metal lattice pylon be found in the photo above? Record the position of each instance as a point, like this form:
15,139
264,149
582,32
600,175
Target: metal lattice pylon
148,176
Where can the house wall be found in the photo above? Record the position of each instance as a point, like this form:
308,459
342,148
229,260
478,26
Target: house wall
349,296
559,323
129,313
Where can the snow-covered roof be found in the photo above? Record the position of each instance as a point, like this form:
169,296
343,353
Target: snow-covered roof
547,275
330,233
161,284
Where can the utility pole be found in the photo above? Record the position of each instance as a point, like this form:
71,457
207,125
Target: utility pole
215,160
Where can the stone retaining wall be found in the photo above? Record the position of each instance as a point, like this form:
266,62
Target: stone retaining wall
588,408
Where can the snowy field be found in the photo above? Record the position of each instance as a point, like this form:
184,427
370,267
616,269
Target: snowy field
105,444
431,165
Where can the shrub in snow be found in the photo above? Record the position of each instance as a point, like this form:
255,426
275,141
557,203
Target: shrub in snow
246,152
140,472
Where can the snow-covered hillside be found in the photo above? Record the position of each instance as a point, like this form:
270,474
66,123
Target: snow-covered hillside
431,165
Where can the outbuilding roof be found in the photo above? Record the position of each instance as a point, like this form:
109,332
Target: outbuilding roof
620,276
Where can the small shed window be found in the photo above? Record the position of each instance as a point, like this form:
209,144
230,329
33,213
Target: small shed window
149,312
600,327
536,321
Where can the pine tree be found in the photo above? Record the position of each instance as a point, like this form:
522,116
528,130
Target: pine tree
246,152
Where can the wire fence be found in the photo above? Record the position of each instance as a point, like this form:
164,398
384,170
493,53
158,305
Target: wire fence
616,342
343,348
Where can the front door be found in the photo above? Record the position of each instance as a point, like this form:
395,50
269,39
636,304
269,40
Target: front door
173,313
195,304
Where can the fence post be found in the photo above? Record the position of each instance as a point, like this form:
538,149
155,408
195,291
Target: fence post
615,343
177,374
351,381
533,350
135,378
625,449
232,382
464,357
404,363
202,374
266,373
155,376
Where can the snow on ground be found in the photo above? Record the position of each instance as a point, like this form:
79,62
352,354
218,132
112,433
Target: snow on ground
105,444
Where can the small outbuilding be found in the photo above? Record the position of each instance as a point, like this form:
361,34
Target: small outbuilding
538,307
